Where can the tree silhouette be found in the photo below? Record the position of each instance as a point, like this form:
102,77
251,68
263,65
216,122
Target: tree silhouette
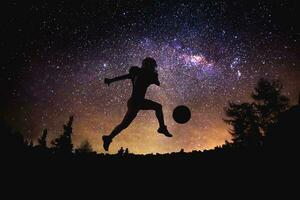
251,122
269,102
63,144
85,148
42,141
245,122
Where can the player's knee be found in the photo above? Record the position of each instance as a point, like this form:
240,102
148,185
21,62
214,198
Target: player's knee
158,107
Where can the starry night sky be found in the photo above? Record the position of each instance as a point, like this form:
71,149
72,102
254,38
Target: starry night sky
56,55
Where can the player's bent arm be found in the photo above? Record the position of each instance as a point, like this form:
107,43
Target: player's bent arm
156,81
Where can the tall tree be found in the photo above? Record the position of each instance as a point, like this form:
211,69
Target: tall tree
269,101
63,144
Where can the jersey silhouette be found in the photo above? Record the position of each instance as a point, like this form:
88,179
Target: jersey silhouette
141,79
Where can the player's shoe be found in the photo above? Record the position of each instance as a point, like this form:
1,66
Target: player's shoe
164,130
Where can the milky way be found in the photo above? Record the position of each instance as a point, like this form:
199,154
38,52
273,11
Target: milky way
208,53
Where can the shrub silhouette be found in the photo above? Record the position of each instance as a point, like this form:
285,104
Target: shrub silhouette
120,151
85,148
126,152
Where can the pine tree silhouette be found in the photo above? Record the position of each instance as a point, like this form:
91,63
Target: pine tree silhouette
245,122
63,144
269,102
42,141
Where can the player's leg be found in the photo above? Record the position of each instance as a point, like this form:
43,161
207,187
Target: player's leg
128,118
152,105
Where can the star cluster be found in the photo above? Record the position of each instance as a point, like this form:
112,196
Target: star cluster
208,52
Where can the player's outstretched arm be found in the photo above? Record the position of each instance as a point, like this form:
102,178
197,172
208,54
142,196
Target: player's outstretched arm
108,81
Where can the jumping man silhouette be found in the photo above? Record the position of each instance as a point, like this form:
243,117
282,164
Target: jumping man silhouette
141,79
